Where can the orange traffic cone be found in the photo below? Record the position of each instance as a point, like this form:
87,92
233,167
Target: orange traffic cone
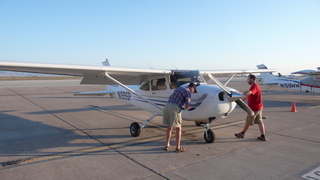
293,107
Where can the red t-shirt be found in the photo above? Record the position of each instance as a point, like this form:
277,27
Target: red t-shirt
255,99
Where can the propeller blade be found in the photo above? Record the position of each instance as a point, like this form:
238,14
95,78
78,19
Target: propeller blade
245,107
233,96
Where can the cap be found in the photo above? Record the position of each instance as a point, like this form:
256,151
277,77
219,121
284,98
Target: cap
193,85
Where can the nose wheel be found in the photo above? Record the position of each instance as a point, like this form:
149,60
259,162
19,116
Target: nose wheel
209,135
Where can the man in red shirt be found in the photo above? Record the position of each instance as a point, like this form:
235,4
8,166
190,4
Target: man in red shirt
255,103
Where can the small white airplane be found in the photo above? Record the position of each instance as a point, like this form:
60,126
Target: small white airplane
287,76
210,103
310,84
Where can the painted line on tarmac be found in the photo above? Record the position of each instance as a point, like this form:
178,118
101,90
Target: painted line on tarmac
314,107
132,119
200,160
101,148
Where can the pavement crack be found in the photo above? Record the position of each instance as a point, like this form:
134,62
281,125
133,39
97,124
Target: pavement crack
16,162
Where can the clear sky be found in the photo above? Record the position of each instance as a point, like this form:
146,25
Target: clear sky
186,34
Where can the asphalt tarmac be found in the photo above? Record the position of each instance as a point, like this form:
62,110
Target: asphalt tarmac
47,133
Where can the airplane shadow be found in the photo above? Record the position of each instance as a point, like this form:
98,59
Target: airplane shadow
118,108
20,137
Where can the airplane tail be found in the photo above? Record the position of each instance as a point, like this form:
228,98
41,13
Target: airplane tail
267,78
106,62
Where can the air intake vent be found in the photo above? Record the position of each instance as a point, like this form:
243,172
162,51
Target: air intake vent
221,94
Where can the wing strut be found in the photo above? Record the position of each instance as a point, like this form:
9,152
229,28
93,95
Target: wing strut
127,88
225,84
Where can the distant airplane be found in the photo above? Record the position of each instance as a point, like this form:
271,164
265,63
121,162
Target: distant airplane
212,102
308,72
310,84
287,76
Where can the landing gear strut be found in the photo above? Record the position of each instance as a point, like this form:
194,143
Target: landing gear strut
135,128
199,123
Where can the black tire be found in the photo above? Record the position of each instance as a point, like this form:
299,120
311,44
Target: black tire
135,129
198,123
209,137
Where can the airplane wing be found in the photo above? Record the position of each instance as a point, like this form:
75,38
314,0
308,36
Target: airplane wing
90,74
96,74
308,72
218,73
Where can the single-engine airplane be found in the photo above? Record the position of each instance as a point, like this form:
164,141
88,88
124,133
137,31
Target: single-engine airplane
309,84
210,103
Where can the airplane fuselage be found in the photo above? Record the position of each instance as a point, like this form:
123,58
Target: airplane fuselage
296,85
209,102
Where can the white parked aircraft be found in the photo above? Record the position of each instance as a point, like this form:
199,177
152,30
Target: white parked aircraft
210,103
310,84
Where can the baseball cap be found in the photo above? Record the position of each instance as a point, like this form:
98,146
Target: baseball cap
193,85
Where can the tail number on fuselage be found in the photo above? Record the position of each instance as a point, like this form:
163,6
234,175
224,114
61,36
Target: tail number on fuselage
289,85
124,95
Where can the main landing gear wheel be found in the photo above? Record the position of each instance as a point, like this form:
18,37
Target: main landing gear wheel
209,136
199,123
135,129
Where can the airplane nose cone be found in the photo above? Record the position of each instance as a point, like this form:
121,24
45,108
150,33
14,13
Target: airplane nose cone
235,96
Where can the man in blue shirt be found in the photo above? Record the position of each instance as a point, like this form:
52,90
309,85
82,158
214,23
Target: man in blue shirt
172,113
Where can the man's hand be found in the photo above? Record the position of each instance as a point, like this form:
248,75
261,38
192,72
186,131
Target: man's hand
187,106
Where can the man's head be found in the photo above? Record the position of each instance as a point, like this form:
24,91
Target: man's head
192,87
251,79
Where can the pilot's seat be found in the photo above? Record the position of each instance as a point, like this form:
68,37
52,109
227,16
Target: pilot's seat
161,84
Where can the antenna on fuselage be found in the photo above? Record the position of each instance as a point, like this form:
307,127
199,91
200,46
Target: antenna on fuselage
149,65
174,66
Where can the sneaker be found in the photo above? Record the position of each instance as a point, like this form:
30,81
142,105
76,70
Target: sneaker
262,138
239,135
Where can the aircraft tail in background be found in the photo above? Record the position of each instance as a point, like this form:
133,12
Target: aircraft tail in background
305,85
268,78
106,62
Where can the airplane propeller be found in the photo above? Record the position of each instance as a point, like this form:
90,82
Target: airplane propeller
233,96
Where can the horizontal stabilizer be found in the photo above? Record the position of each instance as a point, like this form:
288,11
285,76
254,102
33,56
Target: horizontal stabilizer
271,83
98,93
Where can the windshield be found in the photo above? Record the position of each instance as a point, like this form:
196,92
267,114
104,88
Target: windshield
182,77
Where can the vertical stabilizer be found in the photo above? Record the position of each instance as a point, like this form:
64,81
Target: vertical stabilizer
106,62
266,77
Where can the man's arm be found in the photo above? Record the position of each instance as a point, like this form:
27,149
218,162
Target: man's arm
247,93
188,101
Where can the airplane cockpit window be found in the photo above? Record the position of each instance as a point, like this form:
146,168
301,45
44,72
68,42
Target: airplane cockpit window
181,77
145,86
158,84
